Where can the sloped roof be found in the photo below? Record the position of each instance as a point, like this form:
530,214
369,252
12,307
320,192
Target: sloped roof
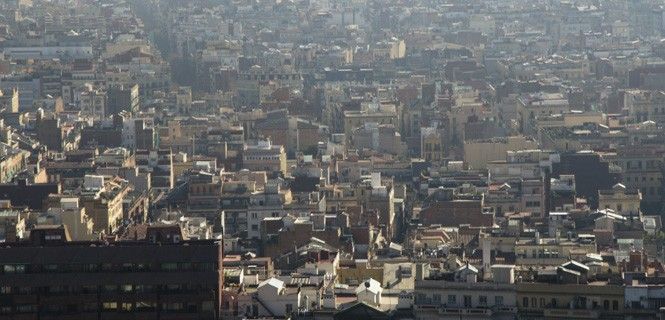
468,267
576,266
370,285
361,310
273,282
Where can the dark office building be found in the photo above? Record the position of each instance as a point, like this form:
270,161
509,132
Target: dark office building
123,98
592,173
17,193
101,137
50,133
153,275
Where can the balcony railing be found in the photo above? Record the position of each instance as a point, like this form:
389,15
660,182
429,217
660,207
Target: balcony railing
571,313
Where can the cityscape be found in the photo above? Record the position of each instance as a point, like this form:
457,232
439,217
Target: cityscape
332,159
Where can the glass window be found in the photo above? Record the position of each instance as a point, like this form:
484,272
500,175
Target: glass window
89,307
110,288
91,267
51,268
173,287
56,289
498,300
208,266
452,299
75,268
110,306
89,289
467,301
173,306
54,308
26,308
25,290
208,306
191,287
145,306
169,266
127,306
144,288
482,300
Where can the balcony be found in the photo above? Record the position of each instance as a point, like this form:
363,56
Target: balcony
509,310
571,313
426,307
465,312
457,312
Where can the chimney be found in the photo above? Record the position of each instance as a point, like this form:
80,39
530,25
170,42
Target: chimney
547,186
10,232
486,242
